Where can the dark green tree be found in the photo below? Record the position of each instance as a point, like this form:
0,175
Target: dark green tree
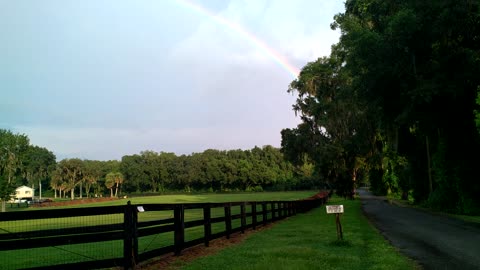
13,148
334,128
71,170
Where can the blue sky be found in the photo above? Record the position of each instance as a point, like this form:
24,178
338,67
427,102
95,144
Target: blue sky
102,79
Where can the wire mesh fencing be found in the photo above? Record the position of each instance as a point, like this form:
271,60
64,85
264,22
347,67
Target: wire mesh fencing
110,236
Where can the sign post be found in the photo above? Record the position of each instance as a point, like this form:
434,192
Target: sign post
337,210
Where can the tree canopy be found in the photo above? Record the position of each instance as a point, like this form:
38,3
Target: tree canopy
395,101
153,172
21,163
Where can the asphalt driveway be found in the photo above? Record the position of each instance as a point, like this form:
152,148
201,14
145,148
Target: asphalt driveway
435,241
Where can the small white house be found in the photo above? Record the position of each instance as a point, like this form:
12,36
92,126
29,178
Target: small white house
23,193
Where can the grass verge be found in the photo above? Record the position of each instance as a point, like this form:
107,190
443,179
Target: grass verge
309,241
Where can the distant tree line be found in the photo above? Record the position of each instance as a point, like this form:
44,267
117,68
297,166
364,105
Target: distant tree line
396,104
148,172
214,170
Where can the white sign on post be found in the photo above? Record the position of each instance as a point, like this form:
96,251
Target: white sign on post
334,209
337,210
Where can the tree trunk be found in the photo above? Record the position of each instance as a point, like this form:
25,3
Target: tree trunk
429,168
111,192
81,191
4,204
72,194
116,190
154,186
55,192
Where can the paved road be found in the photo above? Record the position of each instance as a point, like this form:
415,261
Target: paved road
436,242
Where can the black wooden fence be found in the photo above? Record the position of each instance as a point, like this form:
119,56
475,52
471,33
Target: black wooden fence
123,225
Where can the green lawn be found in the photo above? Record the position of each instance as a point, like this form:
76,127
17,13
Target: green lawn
309,241
112,249
186,198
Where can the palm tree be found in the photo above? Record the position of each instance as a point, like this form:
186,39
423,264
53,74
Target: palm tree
56,182
118,181
110,182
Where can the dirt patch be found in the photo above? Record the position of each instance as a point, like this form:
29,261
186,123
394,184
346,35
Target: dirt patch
172,262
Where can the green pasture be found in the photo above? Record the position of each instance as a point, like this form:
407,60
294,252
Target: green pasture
187,198
309,241
113,249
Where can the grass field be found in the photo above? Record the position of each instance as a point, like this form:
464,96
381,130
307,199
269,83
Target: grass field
309,241
185,198
113,249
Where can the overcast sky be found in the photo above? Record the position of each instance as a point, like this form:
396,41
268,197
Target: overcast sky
99,79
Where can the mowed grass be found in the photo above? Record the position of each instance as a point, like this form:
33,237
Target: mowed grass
309,241
187,198
113,249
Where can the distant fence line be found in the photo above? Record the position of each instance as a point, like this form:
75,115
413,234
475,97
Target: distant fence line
124,226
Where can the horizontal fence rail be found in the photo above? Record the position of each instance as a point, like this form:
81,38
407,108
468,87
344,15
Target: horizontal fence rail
123,236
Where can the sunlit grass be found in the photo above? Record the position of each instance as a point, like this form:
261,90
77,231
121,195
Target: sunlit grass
114,249
187,198
309,241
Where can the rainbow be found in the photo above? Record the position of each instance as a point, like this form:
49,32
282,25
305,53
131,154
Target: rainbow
260,45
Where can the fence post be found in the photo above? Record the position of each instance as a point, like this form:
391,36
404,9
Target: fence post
254,215
207,226
130,240
228,220
243,217
264,213
279,210
273,211
135,234
179,228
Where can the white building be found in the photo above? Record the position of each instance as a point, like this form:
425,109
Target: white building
24,193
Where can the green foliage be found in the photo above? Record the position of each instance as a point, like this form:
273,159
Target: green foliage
13,149
6,188
212,170
114,179
331,134
476,111
38,164
254,189
411,68
71,172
